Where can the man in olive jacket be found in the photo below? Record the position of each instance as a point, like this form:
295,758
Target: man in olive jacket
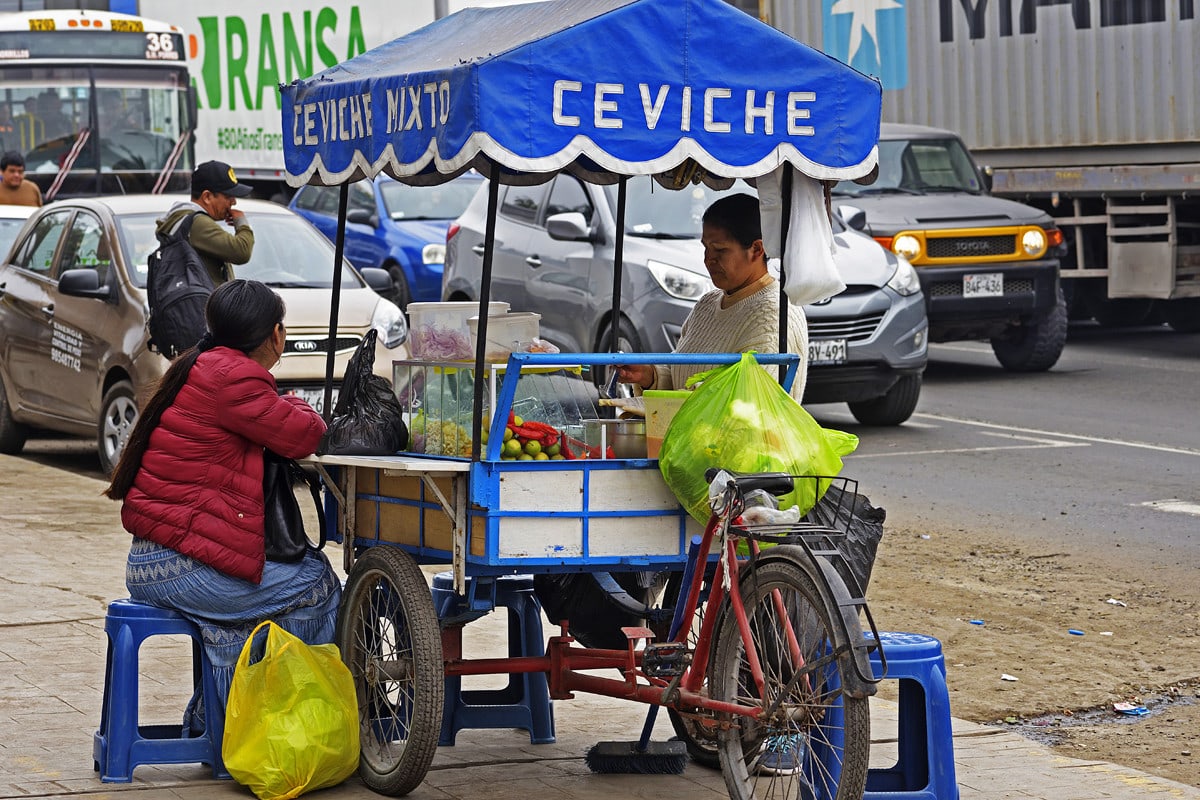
215,190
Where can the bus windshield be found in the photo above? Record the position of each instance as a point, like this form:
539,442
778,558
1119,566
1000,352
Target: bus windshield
118,127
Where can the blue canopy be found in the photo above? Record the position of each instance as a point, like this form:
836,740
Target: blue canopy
600,88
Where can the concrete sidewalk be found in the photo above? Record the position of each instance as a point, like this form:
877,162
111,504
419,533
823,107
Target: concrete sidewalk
62,564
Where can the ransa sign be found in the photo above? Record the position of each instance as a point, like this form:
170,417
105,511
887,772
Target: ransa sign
239,53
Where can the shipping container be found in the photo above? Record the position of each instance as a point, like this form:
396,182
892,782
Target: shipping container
1088,109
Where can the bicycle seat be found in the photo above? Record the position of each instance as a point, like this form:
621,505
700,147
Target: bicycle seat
777,483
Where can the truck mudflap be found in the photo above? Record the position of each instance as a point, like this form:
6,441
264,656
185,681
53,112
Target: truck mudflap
984,294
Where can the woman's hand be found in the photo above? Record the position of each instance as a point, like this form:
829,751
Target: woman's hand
639,374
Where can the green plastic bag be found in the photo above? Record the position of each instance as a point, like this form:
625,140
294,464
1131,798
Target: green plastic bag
740,419
291,722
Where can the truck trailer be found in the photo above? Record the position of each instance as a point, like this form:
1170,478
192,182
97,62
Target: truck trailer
1086,109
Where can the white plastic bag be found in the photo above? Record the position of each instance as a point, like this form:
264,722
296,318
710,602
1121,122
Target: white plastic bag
810,274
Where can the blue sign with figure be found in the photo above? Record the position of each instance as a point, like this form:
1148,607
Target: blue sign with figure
869,35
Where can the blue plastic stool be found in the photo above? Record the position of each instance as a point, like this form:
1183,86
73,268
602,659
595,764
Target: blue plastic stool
925,769
525,702
121,744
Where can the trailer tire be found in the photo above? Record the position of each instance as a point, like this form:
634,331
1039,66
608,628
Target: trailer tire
1034,346
1182,315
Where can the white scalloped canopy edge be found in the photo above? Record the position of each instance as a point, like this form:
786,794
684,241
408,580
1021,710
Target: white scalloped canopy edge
481,152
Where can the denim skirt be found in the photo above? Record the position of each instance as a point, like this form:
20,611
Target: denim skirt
301,598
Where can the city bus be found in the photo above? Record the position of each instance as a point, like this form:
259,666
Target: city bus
96,102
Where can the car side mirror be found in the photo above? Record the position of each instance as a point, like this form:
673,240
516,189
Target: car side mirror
854,217
83,283
378,279
570,226
361,216
986,174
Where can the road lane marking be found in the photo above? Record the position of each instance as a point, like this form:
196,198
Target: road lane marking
1183,451
1039,444
1177,506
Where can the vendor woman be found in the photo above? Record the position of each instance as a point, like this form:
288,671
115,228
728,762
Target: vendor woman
742,313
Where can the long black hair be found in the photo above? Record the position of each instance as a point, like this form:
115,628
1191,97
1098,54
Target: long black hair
241,315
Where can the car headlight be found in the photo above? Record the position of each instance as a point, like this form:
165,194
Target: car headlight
906,245
904,280
434,253
679,282
389,321
1033,242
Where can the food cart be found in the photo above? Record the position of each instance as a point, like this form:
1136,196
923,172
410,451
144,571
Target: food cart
680,90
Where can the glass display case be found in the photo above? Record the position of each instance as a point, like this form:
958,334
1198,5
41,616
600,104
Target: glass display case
438,399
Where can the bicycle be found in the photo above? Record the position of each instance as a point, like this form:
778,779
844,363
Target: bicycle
774,659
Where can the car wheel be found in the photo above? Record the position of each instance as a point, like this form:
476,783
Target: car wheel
1183,315
118,415
12,433
894,408
627,342
1034,346
401,295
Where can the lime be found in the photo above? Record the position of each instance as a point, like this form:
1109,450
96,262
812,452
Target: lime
512,448
524,457
557,457
554,449
541,457
518,421
533,447
508,434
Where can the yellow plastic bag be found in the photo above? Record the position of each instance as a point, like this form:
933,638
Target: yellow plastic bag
291,722
741,420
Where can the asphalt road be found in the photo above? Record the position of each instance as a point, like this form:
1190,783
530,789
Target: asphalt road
1103,449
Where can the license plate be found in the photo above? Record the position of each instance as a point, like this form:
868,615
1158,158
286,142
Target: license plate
988,284
314,397
826,351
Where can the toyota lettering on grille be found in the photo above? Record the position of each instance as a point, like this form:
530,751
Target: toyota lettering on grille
304,346
971,247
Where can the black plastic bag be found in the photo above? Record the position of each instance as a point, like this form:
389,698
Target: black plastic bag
368,419
863,523
595,620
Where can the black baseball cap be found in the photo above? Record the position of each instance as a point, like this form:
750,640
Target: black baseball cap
218,178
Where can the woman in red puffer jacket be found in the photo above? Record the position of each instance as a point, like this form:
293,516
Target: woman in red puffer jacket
191,478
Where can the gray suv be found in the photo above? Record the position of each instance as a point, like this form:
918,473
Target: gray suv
554,255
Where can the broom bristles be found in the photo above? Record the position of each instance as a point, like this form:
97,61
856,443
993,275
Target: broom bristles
659,758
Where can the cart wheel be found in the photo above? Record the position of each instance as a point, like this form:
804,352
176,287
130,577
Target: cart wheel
389,637
825,734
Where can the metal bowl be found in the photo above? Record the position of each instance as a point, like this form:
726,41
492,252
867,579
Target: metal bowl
626,437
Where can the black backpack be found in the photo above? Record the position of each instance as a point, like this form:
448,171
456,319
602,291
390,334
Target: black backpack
177,288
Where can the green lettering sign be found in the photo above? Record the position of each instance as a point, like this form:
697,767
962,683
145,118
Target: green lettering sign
238,54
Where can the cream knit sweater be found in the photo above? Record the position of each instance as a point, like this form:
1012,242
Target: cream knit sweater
751,323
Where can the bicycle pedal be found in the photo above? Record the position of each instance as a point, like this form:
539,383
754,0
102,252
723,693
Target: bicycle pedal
666,660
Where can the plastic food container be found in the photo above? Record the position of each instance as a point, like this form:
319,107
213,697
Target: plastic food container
507,333
661,405
439,331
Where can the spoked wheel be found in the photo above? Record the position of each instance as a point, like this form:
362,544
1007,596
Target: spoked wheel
701,739
811,742
389,637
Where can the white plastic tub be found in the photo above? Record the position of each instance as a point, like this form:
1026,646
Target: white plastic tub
439,331
507,333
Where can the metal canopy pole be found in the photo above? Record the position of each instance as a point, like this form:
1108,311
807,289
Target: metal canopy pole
786,191
618,265
485,296
339,251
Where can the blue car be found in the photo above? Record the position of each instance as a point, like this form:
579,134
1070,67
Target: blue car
396,227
